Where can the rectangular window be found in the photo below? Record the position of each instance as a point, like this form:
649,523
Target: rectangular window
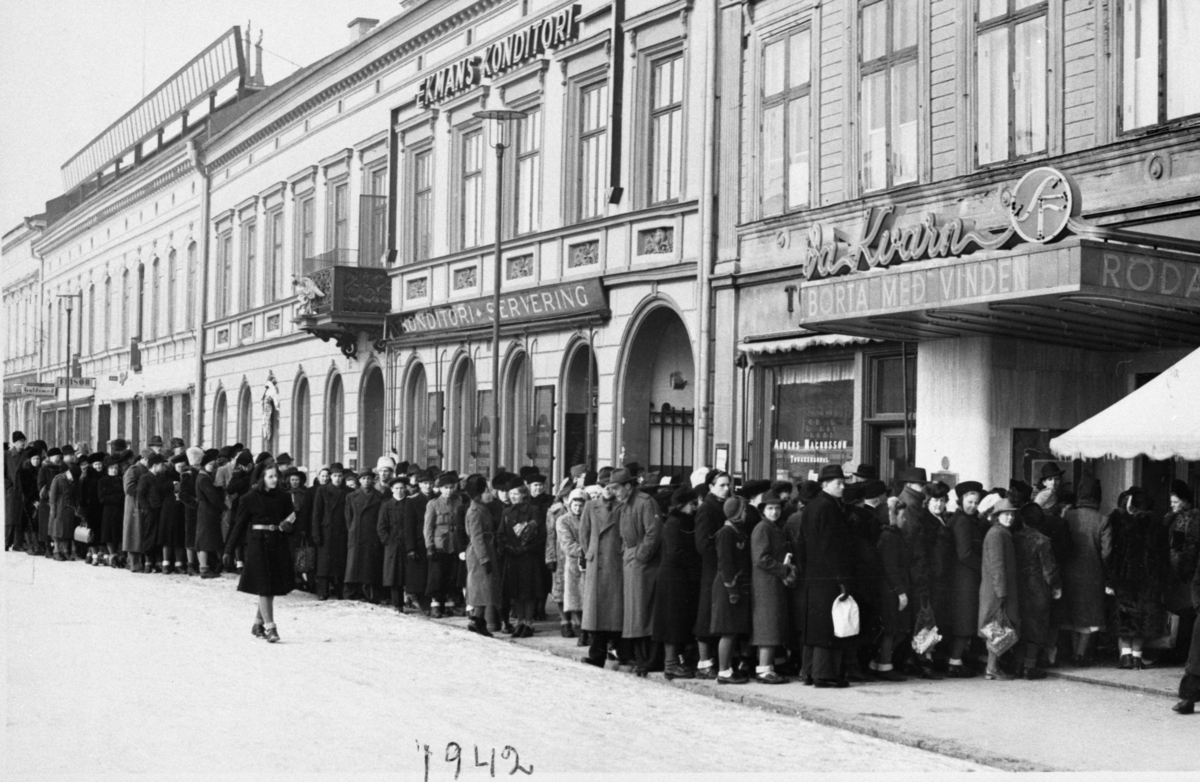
529,172
306,246
593,151
666,129
1011,79
224,273
249,263
372,219
422,185
273,270
888,95
155,298
1159,61
339,217
471,193
787,139
191,286
172,290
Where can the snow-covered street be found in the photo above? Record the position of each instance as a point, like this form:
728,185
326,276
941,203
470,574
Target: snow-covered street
114,673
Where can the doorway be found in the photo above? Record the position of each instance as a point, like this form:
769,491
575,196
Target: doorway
371,418
581,391
658,396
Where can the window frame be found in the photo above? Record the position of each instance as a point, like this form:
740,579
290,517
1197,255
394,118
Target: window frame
783,100
464,177
249,257
653,114
273,249
1011,19
887,63
224,273
191,286
580,138
422,194
1162,83
521,156
338,223
172,290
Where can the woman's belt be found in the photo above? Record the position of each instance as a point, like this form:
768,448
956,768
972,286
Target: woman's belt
265,527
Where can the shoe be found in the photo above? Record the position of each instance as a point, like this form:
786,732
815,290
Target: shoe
734,679
997,676
58,557
507,628
926,672
891,676
193,570
959,672
438,613
770,677
568,631
640,672
1126,663
1140,664
855,676
1033,674
824,684
479,626
787,669
581,641
1078,661
678,671
272,635
1184,707
708,673
590,661
808,681
257,631
210,574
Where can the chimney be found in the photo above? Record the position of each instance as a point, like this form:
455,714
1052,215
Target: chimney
360,27
258,74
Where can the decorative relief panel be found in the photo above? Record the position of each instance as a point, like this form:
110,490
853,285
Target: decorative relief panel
464,278
417,289
223,337
656,241
248,329
583,254
518,267
273,322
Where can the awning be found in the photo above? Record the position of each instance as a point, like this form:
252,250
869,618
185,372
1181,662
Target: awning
1161,420
801,343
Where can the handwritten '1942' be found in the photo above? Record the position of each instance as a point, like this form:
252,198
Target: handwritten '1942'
454,755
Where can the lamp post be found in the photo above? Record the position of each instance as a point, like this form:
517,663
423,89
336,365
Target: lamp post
69,304
499,121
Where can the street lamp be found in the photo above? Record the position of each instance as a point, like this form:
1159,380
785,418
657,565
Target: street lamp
499,127
69,305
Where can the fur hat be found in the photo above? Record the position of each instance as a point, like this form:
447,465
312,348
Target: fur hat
211,455
244,459
195,456
1182,491
751,489
476,486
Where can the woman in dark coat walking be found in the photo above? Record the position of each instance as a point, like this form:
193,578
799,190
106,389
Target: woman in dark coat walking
364,551
112,502
710,516
934,556
1038,587
1000,577
391,535
1083,573
1137,571
732,612
525,549
329,533
773,576
962,595
210,506
677,591
263,522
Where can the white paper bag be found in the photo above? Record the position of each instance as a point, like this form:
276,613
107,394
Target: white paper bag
845,617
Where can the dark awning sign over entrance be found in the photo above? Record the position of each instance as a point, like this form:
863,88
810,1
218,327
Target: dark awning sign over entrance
549,302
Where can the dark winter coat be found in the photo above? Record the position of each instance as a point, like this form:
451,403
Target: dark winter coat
268,568
961,618
524,551
710,517
1083,573
210,506
329,530
793,530
89,502
999,584
112,501
364,551
1039,579
895,556
483,571
152,492
933,557
416,568
677,591
768,550
865,528
191,505
1193,660
64,505
171,526
732,592
603,577
45,476
827,564
14,498
641,536
1138,570
1184,531
391,535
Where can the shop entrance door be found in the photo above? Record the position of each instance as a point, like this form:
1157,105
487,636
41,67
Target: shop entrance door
889,442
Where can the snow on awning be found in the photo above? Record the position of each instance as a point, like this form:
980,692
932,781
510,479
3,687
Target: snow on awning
797,344
1161,420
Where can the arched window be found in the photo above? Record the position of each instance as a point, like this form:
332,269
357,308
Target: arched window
301,413
172,298
245,416
191,286
518,402
155,298
335,413
220,420
126,314
107,313
417,416
463,419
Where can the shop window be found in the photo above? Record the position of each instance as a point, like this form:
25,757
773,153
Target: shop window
249,263
1011,78
666,129
470,193
517,401
1159,61
812,417
787,136
122,408
422,199
888,93
529,172
591,151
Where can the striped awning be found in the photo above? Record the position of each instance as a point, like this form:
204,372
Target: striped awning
795,344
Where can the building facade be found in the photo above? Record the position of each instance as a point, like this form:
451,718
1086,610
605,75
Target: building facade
962,229
22,288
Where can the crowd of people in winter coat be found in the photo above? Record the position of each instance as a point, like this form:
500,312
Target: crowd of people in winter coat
834,580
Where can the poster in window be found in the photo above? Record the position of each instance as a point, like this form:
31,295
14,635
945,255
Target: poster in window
814,426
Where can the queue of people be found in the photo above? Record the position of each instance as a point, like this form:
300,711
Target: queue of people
832,581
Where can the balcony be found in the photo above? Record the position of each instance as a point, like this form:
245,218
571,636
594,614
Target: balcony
340,299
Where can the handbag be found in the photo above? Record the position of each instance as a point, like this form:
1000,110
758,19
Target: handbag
83,535
999,633
845,616
926,636
306,557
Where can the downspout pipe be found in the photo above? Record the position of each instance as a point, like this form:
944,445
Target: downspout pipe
195,155
705,265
